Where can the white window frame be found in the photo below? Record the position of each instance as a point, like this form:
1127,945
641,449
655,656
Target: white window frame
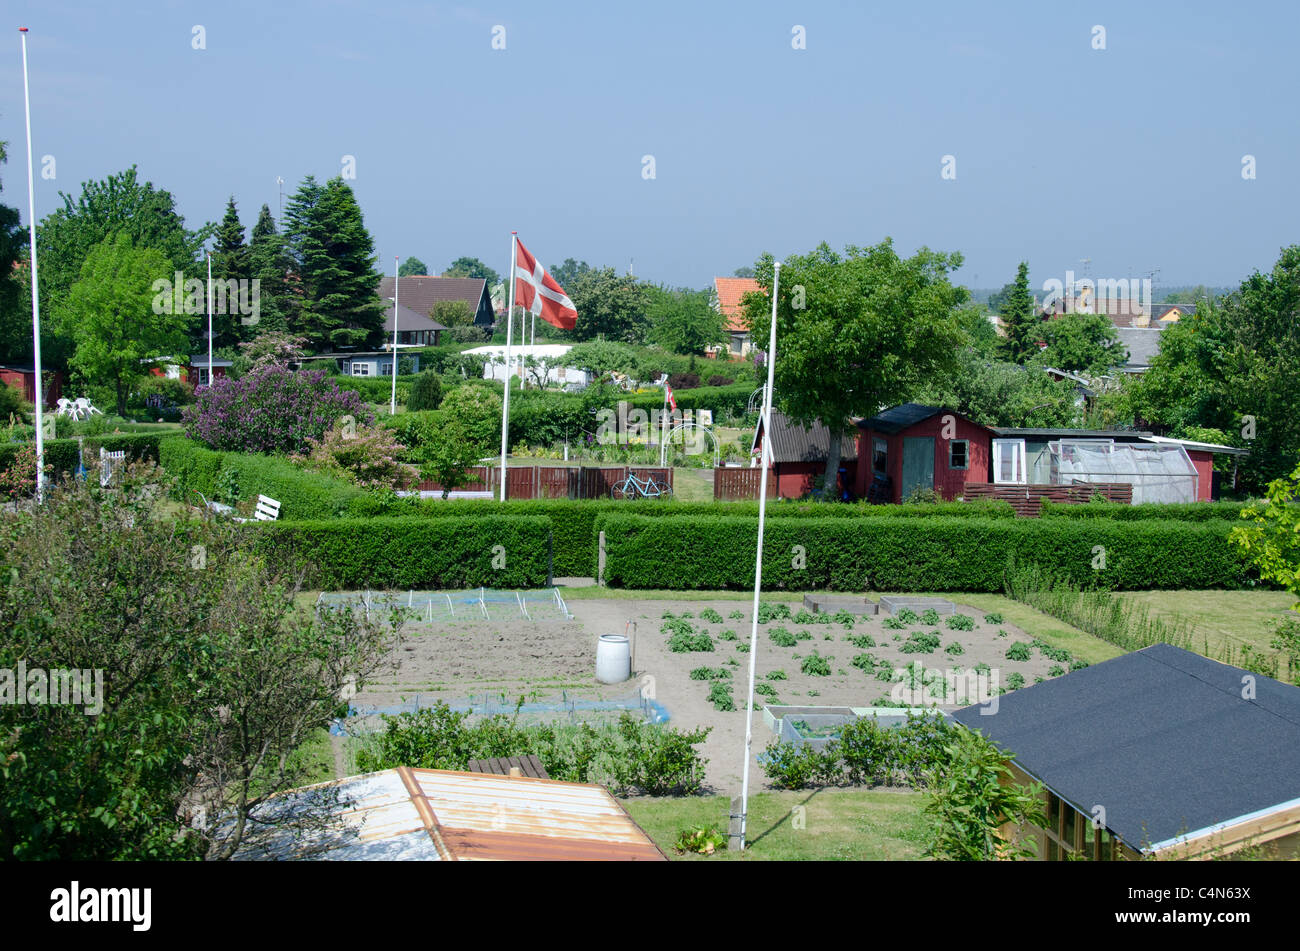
360,368
1017,449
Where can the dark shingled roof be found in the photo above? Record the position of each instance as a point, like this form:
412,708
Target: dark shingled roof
1161,737
792,443
408,320
1142,344
420,292
898,418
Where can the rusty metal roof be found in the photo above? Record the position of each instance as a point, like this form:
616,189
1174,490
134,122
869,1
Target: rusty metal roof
430,814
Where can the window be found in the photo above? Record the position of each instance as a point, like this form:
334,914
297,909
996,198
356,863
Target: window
958,453
879,456
737,343
203,376
360,369
386,369
1009,461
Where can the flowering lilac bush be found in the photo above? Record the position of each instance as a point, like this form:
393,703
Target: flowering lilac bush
272,410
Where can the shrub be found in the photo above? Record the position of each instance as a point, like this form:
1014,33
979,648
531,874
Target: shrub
816,665
426,392
1018,651
716,380
364,455
782,638
18,481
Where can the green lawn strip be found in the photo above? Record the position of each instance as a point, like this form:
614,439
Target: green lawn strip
1036,624
595,592
845,824
1220,618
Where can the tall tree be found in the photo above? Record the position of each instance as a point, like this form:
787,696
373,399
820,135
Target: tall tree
472,267
1081,343
15,318
412,266
269,263
335,260
609,305
118,204
568,272
117,328
229,262
683,321
745,271
1022,325
858,332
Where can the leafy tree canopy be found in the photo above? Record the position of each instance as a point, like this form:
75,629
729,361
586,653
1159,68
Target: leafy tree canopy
412,266
472,267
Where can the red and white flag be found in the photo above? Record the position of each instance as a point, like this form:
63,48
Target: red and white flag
671,402
539,294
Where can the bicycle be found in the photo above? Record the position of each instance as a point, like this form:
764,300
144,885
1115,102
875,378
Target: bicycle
634,488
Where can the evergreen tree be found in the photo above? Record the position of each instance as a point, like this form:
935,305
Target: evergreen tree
269,264
229,263
335,259
1019,319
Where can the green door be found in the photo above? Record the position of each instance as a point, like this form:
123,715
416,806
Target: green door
918,464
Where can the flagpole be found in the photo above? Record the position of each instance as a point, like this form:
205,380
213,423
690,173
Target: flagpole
505,402
397,280
758,562
209,318
36,300
663,428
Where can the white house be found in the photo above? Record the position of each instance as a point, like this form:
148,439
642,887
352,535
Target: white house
522,358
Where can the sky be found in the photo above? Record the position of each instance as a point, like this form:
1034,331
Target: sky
684,140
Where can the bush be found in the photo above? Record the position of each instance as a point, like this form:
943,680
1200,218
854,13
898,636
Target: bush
401,553
426,392
272,409
631,754
363,455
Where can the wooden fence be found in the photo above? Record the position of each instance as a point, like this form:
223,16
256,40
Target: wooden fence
734,484
554,482
1027,500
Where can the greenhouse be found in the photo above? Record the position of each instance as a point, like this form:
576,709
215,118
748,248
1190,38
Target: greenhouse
1158,473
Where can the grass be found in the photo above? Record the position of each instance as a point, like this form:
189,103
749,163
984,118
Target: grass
838,824
1219,618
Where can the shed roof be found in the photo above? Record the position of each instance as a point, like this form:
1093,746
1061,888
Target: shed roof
1162,738
408,320
432,814
791,442
898,418
1122,435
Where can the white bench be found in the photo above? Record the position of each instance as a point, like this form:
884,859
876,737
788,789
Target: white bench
268,510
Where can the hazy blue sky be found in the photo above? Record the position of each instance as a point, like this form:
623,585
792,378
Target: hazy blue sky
1130,156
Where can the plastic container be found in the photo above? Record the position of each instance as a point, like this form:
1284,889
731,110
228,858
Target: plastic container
613,659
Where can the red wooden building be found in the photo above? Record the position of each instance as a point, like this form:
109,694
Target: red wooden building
23,379
912,447
799,456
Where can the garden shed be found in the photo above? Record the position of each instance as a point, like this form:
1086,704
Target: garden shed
912,446
1174,755
799,455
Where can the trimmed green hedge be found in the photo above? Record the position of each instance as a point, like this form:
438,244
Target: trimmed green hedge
729,400
377,389
1181,512
890,554
61,454
412,552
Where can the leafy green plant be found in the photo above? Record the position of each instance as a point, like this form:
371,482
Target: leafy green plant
864,661
862,641
727,635
720,696
681,643
710,673
954,649
710,615
893,624
929,617
816,665
703,841
737,615
743,648
1055,671
993,618
782,638
920,642
766,689
769,611
907,616
1019,651
1015,681
982,668
776,675
847,618
803,636
960,622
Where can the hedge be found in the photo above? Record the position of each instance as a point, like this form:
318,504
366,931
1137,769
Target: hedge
376,389
940,554
412,552
723,400
1182,512
61,454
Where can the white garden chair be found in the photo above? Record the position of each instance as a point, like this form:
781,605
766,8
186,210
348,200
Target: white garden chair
83,409
268,510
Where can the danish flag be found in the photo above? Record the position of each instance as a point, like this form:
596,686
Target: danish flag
671,402
539,294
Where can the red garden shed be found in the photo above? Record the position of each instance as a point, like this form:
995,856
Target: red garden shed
912,447
799,455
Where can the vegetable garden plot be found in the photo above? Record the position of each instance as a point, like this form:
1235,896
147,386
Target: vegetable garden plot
433,606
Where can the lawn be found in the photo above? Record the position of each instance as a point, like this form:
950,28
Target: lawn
1220,618
834,824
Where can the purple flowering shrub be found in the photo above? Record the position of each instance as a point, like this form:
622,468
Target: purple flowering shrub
272,409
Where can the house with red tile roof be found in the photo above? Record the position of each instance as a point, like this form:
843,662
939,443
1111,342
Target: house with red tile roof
728,292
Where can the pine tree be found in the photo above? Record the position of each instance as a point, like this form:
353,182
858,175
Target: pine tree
1019,319
269,264
334,256
229,263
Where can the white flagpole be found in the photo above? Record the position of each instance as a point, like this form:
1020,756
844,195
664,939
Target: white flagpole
209,318
36,300
397,280
505,402
758,563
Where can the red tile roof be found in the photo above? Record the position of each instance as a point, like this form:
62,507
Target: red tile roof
730,291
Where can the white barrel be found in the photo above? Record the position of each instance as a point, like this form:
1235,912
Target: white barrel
613,659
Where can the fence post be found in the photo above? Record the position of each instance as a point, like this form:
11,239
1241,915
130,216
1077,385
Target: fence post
600,560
